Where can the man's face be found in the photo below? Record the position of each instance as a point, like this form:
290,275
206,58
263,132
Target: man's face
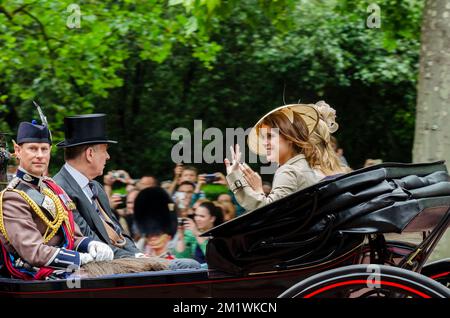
98,157
188,175
224,197
131,197
188,190
34,157
147,182
158,241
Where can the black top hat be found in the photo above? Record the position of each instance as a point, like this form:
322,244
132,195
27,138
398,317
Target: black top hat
154,212
32,132
85,130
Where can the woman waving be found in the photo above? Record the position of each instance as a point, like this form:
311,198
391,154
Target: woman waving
284,137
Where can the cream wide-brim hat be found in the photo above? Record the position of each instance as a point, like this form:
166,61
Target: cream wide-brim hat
307,111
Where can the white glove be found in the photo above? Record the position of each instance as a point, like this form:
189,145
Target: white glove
100,251
85,258
139,255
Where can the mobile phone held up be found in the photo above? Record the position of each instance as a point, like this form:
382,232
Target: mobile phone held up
123,200
210,178
183,220
179,199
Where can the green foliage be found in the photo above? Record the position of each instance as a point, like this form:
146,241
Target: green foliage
368,75
212,191
156,65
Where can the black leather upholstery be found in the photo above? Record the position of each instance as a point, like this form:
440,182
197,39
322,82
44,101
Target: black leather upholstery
331,218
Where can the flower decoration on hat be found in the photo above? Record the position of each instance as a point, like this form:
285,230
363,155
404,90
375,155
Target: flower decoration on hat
328,115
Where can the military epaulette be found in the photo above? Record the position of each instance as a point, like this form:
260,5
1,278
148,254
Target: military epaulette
45,178
13,183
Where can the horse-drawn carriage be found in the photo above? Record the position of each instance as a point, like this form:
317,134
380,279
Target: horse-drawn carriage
343,237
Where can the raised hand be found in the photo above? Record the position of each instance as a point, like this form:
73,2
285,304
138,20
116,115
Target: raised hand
235,160
178,170
253,178
190,225
220,178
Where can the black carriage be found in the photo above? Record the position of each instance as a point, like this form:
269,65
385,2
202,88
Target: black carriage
342,237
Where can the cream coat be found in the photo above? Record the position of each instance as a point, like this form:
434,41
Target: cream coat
290,177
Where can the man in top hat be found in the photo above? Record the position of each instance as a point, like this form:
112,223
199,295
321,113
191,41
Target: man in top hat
38,237
85,154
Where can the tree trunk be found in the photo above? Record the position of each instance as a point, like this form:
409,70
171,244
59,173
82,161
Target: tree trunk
432,133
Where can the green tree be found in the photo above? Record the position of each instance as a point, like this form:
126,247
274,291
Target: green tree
153,66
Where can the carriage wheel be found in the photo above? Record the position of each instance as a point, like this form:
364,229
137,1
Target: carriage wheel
439,271
363,281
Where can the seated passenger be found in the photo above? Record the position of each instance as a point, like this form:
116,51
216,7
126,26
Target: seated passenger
282,136
85,154
38,236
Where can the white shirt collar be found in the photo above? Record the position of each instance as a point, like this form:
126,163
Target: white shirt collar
81,179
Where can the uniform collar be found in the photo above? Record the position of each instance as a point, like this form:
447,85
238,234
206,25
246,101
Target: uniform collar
28,177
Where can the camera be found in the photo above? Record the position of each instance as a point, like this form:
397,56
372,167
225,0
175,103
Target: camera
118,175
118,184
123,201
191,216
179,199
210,178
181,221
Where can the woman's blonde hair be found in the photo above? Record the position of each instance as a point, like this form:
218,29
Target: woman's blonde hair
329,162
295,132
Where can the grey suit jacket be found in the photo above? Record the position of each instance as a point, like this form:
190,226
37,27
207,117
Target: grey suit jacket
87,217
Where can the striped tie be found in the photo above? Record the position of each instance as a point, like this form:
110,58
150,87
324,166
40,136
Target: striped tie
94,199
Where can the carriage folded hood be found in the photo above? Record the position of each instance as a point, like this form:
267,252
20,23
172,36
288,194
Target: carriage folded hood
330,218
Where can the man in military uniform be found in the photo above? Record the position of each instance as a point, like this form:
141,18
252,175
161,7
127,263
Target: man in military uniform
38,236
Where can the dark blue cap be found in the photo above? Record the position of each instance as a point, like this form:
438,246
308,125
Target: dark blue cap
31,132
